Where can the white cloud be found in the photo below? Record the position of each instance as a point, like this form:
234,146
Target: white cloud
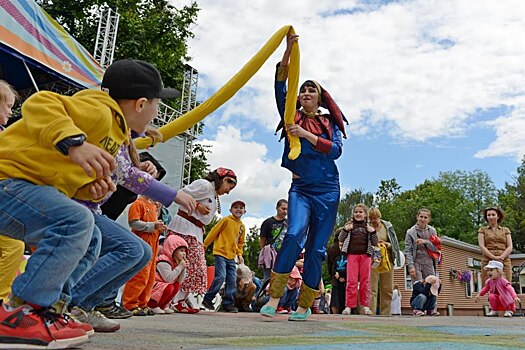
261,181
422,67
510,139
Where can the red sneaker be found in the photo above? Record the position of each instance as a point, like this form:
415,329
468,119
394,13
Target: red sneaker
183,308
281,310
25,327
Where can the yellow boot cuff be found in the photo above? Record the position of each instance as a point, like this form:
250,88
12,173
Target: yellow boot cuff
278,283
307,296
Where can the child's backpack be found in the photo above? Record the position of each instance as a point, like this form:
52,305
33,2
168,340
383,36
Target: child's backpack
385,264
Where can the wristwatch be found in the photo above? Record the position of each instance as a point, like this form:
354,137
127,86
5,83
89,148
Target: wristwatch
63,146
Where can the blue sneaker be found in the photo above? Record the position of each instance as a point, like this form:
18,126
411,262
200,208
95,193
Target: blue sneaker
298,316
268,311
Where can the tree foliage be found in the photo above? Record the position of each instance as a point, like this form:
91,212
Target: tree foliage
346,204
252,249
512,200
388,191
476,187
199,162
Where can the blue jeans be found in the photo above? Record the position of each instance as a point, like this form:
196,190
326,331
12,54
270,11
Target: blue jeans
289,299
225,269
424,303
59,228
122,255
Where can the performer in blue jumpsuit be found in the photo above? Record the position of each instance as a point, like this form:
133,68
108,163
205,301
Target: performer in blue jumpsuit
313,198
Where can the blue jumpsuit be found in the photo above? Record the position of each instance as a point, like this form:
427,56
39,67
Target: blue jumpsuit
313,200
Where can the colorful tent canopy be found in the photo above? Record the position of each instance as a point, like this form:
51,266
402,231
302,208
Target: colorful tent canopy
28,34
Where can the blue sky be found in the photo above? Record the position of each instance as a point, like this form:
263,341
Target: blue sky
428,86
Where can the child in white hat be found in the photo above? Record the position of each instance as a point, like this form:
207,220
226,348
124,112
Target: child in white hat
502,296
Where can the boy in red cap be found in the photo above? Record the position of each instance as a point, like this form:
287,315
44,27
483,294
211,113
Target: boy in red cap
228,238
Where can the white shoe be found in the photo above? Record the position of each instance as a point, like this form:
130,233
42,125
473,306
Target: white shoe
168,310
367,311
347,311
158,311
492,314
508,313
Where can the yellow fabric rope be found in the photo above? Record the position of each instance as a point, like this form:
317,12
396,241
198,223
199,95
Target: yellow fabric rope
194,116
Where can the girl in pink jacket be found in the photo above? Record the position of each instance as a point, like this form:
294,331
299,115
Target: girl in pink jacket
502,296
169,274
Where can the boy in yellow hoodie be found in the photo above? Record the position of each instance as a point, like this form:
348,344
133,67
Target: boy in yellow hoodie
227,237
62,148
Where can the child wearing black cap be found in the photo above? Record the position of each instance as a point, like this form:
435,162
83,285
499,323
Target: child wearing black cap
62,148
228,242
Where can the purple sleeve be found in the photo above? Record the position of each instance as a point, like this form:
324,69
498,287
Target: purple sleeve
140,182
161,193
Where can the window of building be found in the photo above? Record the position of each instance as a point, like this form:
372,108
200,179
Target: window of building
474,285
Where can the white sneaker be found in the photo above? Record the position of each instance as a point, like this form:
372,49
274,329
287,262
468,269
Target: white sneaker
158,311
367,311
168,310
508,313
492,314
347,311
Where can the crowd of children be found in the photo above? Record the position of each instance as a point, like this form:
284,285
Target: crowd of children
81,258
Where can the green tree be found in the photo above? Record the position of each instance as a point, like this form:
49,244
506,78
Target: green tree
477,188
449,216
512,200
210,259
199,162
344,212
388,191
251,250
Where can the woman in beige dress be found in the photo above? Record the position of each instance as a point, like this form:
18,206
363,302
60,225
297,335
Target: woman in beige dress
495,242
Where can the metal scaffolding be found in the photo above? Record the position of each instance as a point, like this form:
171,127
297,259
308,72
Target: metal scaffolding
106,36
188,102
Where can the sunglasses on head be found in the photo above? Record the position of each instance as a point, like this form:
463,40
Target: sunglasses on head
231,181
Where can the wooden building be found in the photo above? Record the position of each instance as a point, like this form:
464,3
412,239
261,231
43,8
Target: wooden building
460,274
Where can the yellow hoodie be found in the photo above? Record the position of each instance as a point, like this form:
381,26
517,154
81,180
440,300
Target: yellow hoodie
228,235
27,148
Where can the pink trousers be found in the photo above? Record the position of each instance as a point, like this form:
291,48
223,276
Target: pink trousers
358,270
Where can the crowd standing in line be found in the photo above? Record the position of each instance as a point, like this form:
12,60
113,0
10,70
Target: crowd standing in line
82,257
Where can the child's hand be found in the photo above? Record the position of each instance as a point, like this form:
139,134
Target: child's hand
99,188
149,168
159,225
348,226
240,259
337,275
517,299
202,209
341,279
477,298
90,158
369,228
183,263
185,200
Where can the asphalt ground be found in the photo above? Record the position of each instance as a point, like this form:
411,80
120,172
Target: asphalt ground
217,330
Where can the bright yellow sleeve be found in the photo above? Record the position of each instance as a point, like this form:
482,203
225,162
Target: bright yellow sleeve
214,233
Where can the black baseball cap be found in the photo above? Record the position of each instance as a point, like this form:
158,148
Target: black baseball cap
133,79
